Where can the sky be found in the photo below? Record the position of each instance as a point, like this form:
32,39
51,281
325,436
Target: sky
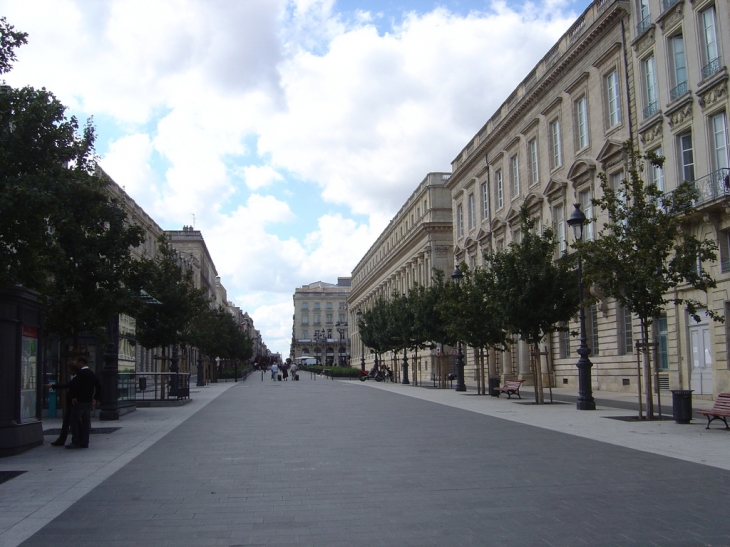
288,131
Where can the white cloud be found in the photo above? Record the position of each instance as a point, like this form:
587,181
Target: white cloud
257,177
195,89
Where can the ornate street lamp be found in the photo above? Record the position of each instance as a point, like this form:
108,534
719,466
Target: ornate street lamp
341,328
362,346
321,338
585,392
460,385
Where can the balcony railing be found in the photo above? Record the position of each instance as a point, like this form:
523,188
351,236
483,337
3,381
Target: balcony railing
652,109
713,186
666,4
643,25
678,91
710,68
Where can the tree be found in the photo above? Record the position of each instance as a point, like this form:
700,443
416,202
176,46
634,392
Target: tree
175,320
642,253
61,233
533,291
471,313
218,335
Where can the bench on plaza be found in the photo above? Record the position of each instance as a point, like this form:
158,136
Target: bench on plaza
510,387
719,411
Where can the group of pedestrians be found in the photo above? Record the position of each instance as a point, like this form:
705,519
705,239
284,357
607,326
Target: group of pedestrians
83,391
284,368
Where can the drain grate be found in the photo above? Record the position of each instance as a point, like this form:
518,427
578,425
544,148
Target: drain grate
636,418
8,475
96,430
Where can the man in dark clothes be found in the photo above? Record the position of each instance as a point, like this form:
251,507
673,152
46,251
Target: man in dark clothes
73,370
84,393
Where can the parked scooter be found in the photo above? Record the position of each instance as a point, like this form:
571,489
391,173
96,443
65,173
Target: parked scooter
375,374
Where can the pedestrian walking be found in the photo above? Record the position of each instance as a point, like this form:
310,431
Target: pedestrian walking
285,371
73,370
274,371
84,392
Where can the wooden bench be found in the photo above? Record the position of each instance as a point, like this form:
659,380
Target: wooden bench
719,411
510,387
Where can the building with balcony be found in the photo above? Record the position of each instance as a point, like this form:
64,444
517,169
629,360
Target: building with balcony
417,241
321,322
654,73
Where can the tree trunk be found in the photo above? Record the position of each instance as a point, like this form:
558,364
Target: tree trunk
539,395
648,394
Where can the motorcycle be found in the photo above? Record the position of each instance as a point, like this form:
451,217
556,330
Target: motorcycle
377,375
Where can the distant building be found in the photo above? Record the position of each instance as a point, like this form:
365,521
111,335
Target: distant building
321,323
417,242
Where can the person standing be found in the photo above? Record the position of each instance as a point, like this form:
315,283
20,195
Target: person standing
274,371
73,370
84,393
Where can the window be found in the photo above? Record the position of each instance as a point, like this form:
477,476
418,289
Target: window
564,342
329,318
586,205
613,101
624,328
710,51
343,305
316,305
718,127
581,118
534,173
556,152
341,318
472,212
679,67
686,156
459,220
316,319
559,217
592,328
651,99
305,320
662,337
657,173
485,202
514,173
328,306
305,305
500,189
644,17
305,334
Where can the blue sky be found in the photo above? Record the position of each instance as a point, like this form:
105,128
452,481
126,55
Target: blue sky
291,129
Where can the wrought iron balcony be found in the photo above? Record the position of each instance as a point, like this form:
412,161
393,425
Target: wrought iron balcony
652,109
678,91
666,4
710,68
643,25
713,186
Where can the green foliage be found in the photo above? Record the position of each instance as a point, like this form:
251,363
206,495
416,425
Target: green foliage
176,319
645,232
61,234
374,327
471,313
533,291
428,325
217,334
10,40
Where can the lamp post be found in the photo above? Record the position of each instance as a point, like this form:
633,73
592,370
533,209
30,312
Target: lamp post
460,385
320,337
362,346
585,392
341,328
404,366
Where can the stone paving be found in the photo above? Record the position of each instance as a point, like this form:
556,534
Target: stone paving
338,463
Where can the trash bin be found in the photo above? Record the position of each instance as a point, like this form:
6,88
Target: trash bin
493,385
682,405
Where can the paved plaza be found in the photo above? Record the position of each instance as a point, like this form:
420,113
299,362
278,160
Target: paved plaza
342,463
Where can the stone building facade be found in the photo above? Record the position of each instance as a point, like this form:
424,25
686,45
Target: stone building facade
321,323
417,241
650,72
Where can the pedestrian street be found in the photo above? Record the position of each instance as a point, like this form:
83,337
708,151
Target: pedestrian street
344,463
